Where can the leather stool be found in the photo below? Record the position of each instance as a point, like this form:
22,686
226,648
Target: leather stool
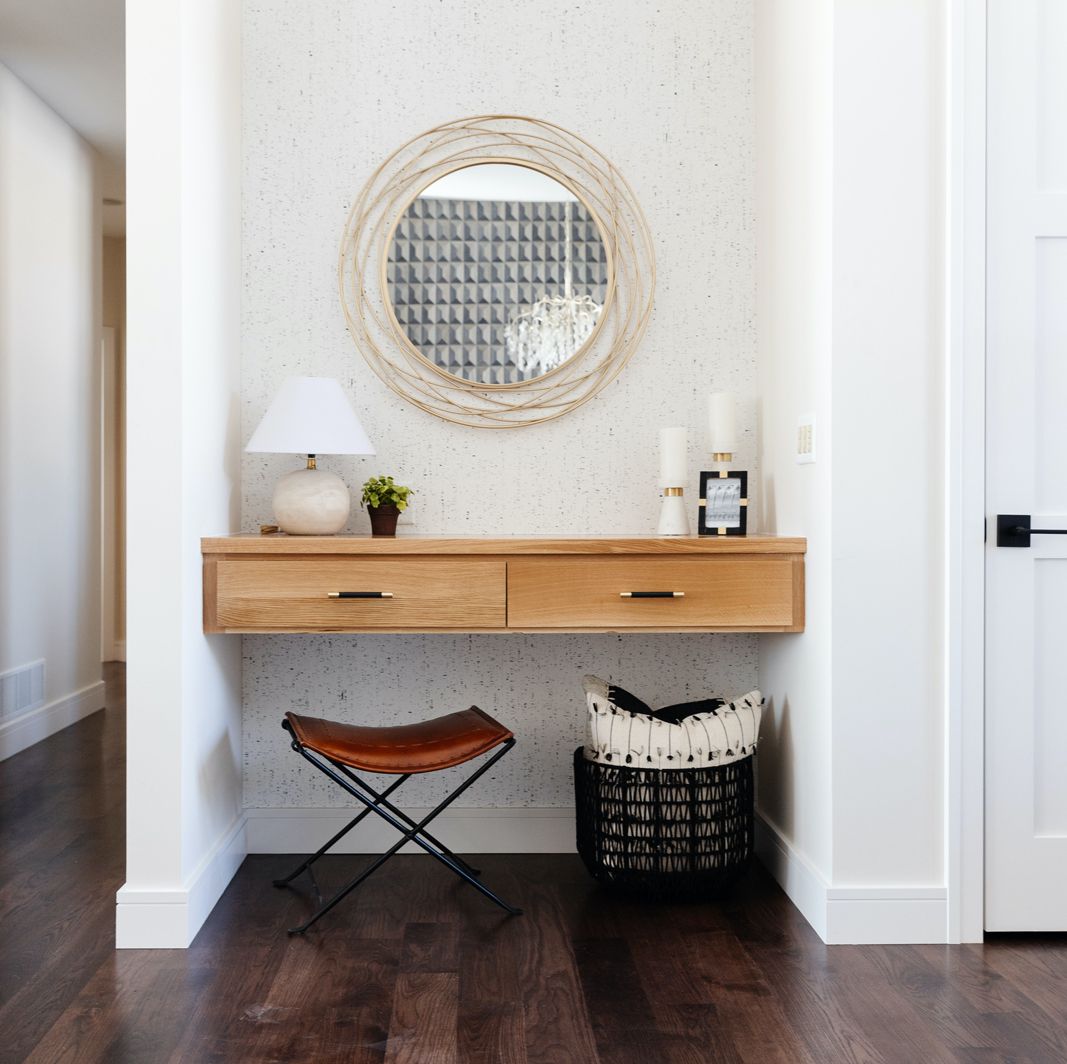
404,750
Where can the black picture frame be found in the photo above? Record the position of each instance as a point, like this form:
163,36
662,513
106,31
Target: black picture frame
731,502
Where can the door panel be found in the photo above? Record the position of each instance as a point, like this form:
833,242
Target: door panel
1026,460
1050,681
1050,384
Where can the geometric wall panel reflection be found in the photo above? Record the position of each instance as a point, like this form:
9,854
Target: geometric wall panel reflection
458,270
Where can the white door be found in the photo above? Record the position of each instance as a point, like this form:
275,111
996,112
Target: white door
1026,459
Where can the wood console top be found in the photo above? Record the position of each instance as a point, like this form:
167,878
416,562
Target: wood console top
279,543
279,583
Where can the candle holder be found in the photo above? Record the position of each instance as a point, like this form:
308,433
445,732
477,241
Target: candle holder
673,520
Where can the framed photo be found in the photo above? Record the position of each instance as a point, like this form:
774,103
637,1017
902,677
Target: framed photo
723,503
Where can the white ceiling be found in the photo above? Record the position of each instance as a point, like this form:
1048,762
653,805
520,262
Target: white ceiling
72,54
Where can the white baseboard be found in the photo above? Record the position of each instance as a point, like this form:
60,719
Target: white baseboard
158,918
802,882
22,732
856,915
887,915
516,830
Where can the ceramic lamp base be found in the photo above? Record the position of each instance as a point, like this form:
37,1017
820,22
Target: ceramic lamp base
673,520
311,502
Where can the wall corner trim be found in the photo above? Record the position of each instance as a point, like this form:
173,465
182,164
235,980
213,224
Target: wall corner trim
866,915
24,731
169,918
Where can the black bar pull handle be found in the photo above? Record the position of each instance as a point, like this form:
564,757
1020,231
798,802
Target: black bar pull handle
651,594
1013,530
360,594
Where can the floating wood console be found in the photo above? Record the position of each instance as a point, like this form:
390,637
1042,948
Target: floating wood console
503,584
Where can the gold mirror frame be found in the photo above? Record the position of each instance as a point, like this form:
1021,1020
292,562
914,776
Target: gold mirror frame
559,154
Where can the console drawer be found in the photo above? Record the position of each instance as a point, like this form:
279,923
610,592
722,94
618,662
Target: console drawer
300,594
743,592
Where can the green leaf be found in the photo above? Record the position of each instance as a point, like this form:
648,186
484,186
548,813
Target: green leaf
383,490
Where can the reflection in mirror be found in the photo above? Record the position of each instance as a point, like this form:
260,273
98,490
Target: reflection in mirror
497,273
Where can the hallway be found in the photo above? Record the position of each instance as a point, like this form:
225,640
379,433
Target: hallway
421,970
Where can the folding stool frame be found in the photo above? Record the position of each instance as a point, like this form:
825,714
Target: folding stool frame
379,803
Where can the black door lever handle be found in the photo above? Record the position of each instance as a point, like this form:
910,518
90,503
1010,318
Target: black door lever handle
1013,530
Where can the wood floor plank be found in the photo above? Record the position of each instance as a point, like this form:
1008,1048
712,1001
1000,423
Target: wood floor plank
423,1029
940,1004
991,1056
624,1025
1036,970
133,1010
430,948
491,1021
1021,1022
815,1004
491,1033
223,1023
751,1017
556,1018
879,1023
675,990
316,982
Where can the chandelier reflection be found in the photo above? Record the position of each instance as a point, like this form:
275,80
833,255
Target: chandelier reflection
552,329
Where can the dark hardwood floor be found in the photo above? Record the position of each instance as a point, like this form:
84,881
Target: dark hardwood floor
418,968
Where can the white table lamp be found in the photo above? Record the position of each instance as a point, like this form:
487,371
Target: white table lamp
311,416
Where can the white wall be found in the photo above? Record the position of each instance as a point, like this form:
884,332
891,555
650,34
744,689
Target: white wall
888,470
872,865
184,825
49,412
332,88
794,206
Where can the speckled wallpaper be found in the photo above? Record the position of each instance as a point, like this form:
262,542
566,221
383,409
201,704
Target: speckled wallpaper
330,88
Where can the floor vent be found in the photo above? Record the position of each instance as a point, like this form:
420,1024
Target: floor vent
21,690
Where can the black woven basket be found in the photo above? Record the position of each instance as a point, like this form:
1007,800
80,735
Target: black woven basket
669,835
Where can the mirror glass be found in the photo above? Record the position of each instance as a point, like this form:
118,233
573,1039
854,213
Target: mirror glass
497,273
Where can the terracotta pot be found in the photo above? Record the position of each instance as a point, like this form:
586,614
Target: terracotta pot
383,519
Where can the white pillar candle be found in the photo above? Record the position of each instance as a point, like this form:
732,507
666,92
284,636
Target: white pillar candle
672,458
722,423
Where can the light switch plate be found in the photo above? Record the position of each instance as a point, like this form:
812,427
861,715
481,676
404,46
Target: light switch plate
805,439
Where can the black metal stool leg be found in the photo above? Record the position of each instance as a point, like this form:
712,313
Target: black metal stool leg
336,838
380,799
409,836
348,888
415,834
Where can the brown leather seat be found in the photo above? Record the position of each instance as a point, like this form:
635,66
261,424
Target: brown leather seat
402,748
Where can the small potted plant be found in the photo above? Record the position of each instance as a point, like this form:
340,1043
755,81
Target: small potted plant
384,500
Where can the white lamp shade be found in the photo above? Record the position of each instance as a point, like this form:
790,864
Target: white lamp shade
310,415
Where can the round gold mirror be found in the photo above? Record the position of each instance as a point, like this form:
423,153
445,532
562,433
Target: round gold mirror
496,271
